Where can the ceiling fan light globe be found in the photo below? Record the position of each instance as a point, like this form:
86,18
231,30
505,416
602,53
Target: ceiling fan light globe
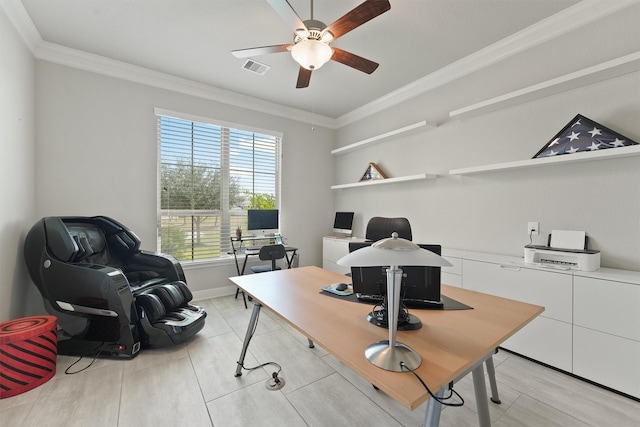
311,54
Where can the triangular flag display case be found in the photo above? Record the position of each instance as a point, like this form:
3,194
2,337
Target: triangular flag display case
583,134
373,172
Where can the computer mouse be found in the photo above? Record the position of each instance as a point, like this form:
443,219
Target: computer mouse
341,287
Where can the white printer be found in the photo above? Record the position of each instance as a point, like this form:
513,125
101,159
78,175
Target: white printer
566,250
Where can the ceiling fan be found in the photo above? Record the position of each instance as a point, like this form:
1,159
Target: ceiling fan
310,46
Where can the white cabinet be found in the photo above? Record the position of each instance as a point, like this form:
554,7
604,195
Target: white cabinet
334,248
591,323
606,333
548,338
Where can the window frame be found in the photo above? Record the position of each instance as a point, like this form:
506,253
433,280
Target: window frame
224,168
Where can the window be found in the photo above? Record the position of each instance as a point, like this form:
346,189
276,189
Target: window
209,174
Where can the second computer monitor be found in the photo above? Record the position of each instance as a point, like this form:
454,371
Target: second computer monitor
262,221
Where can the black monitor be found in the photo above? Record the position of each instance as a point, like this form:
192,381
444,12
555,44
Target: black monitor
343,223
262,221
420,286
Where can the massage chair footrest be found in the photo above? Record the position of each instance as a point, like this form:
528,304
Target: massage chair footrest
165,316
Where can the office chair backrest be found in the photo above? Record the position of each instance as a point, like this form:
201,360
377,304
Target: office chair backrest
381,228
272,253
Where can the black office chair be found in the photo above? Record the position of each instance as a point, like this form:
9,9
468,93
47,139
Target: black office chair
380,228
269,253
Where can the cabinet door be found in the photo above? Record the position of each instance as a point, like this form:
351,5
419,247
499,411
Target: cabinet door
552,290
607,306
545,340
332,251
607,359
548,337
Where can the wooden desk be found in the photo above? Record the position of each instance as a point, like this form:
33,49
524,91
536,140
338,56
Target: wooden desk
452,343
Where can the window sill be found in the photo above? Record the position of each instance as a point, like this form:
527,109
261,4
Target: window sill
218,262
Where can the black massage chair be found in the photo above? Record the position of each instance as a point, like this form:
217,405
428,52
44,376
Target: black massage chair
110,297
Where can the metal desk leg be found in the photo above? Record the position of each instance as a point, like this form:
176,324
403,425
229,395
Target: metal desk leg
434,408
244,264
244,298
290,258
491,372
253,322
480,388
311,344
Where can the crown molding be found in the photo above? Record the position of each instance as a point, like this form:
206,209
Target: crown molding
73,58
578,15
81,60
22,22
565,21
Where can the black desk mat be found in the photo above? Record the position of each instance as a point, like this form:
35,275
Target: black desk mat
448,303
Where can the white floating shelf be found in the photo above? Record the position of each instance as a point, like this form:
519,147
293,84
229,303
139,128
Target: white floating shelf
583,156
607,70
403,131
385,181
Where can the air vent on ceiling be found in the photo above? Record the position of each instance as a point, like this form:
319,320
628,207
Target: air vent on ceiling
255,67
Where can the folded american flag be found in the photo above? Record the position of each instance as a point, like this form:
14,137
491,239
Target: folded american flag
583,134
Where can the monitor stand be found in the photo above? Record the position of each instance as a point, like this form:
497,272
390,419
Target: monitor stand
406,321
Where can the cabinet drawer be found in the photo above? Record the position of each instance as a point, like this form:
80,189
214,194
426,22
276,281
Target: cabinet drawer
545,340
334,249
551,290
607,306
606,359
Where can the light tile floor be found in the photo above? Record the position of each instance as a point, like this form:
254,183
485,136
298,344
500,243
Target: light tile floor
194,384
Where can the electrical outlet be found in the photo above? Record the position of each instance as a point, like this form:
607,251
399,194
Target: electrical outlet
533,228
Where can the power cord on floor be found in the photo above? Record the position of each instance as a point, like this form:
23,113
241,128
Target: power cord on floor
276,379
68,372
441,400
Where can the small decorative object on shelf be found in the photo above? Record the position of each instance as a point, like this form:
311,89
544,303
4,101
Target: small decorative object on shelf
583,134
373,172
238,232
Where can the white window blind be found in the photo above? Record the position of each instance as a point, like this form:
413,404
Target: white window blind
208,176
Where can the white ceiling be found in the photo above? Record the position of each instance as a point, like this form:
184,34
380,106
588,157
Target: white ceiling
192,39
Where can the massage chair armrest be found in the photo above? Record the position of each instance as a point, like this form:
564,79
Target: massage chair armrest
147,265
93,279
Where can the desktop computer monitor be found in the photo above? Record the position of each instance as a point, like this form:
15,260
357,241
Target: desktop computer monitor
263,221
343,223
420,285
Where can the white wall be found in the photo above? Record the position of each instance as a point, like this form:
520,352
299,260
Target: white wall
97,152
489,212
16,169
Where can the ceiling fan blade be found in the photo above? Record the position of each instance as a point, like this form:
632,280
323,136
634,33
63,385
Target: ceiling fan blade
304,76
364,12
353,61
255,51
286,12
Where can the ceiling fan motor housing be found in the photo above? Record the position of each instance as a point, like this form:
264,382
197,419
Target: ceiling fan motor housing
315,32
